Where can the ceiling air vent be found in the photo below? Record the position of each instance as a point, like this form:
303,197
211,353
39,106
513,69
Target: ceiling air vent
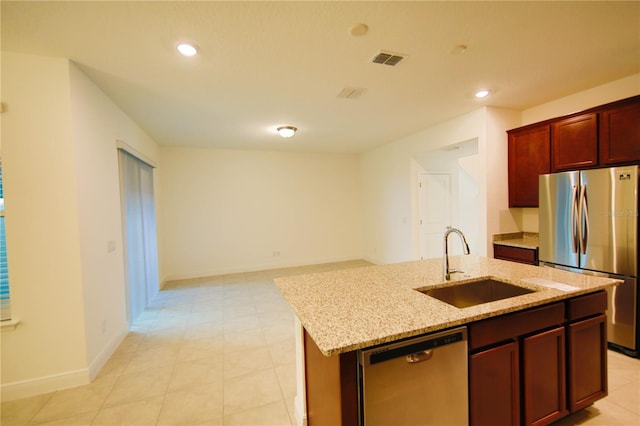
351,92
387,58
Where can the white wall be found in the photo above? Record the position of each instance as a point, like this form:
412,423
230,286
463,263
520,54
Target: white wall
43,240
610,92
62,208
97,123
390,172
227,211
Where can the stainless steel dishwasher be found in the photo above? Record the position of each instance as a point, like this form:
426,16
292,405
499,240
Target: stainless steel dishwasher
421,381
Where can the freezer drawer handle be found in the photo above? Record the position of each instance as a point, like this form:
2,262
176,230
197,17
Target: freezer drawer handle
416,357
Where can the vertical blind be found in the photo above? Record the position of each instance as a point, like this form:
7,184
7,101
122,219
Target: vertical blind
5,302
140,247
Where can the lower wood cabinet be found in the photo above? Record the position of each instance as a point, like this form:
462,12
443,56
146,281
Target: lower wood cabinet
536,366
544,377
494,386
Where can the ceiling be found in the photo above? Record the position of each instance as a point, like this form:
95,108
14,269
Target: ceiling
264,64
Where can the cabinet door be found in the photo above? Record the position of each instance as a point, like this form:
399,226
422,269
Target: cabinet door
587,352
494,386
620,134
529,157
575,142
544,377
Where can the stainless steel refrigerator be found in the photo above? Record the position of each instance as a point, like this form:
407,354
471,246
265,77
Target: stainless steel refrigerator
589,224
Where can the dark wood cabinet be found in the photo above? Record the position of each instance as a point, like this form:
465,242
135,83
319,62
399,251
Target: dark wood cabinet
602,136
620,134
529,156
544,377
574,143
494,383
516,254
522,356
586,350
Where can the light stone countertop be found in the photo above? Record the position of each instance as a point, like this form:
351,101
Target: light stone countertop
527,240
357,308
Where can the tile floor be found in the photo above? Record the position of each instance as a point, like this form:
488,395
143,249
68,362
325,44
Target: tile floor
220,351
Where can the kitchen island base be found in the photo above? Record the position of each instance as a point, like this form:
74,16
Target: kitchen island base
531,367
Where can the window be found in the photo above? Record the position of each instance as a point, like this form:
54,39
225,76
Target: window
5,311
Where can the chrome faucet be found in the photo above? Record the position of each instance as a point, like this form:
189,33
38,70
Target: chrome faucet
465,247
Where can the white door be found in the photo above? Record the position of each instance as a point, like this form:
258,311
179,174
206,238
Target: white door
434,211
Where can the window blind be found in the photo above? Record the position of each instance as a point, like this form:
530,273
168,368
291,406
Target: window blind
5,302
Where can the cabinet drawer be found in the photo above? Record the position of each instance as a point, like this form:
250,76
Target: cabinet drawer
515,254
585,306
493,330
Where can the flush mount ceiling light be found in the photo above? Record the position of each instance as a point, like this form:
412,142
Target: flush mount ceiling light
482,93
187,49
286,131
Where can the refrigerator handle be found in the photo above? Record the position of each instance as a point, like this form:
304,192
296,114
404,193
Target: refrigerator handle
574,220
584,219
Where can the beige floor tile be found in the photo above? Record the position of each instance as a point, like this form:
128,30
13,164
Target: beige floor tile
242,363
610,414
150,359
627,397
137,386
19,412
199,405
243,341
251,391
79,400
242,323
283,352
287,379
189,374
139,413
202,349
273,414
84,419
205,330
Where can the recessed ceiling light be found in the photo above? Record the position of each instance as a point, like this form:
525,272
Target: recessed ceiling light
286,131
482,93
187,49
358,30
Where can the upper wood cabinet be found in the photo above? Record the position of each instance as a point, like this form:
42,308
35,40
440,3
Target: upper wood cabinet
620,134
529,156
602,136
574,143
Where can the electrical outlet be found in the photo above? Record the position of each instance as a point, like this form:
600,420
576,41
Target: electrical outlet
104,327
111,246
276,253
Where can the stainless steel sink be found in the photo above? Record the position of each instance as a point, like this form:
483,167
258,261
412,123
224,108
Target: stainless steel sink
476,292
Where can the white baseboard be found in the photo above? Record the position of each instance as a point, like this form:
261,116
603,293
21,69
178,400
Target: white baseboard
40,385
66,380
96,365
301,417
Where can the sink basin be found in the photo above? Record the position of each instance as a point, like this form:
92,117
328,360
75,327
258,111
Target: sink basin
476,292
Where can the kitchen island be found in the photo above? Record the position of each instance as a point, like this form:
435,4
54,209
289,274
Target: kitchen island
344,311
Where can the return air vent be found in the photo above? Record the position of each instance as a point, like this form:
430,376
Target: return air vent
387,58
351,92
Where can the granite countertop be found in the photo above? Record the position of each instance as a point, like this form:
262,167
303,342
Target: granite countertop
356,308
528,240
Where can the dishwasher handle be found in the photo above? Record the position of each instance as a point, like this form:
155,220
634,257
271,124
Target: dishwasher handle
412,350
421,356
